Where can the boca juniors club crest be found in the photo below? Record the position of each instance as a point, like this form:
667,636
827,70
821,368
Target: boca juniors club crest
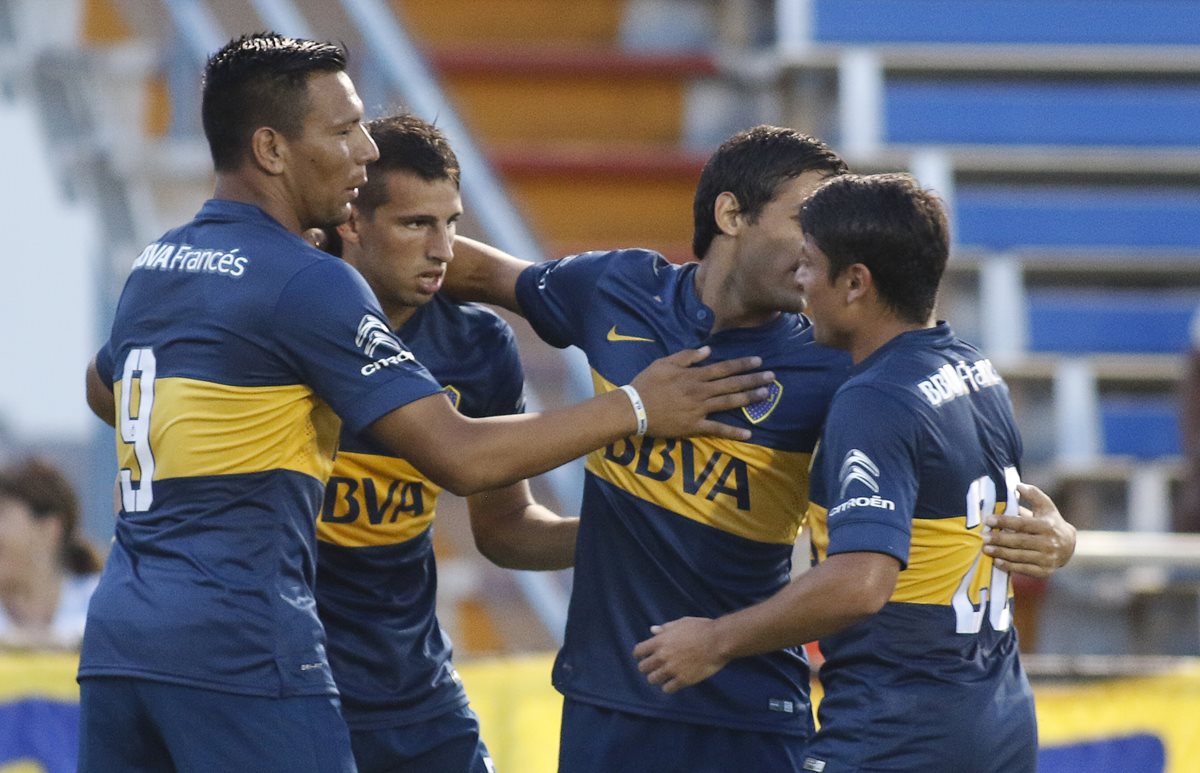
454,395
757,412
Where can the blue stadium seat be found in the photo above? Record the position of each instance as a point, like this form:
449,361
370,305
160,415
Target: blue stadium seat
1110,321
1118,22
1004,217
987,111
1146,428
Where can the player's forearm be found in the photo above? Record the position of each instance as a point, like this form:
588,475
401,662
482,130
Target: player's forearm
828,598
530,537
480,272
468,456
510,448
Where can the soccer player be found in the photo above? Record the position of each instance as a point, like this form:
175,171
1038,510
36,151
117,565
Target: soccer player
921,665
401,697
235,350
700,526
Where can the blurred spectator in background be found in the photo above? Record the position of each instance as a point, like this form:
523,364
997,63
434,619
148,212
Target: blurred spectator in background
1187,507
48,570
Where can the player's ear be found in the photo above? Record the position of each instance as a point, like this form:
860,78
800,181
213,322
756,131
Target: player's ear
349,229
727,213
269,150
316,237
858,281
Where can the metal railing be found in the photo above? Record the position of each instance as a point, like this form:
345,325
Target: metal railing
1134,549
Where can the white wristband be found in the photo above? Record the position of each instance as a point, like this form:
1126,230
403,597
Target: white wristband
639,408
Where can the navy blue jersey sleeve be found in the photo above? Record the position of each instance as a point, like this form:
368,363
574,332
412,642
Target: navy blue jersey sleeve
870,450
331,327
556,295
508,394
105,365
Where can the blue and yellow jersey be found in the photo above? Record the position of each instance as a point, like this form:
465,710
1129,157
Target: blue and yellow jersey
377,578
698,526
235,349
919,447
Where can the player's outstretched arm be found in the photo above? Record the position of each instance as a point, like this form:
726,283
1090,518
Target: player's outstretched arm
468,456
512,530
100,395
833,595
1036,542
480,272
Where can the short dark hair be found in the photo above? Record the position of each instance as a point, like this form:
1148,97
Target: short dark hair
406,144
260,80
891,225
45,490
751,165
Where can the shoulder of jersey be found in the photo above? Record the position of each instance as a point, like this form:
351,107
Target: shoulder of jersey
475,312
476,316
643,264
628,256
897,384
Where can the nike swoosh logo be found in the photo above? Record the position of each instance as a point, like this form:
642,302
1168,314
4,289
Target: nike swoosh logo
613,335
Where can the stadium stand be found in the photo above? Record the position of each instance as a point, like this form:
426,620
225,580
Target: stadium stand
1062,132
1039,22
1142,218
1106,320
1145,428
1106,111
588,135
1065,150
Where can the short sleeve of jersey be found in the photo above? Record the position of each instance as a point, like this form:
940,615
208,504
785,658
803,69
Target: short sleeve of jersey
870,462
555,295
105,365
507,396
331,327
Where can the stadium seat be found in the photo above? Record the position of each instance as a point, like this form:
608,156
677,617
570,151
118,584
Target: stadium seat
1112,22
1146,428
1042,111
1003,217
1094,321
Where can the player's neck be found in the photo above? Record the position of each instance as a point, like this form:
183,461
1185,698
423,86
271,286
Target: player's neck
870,337
717,287
398,314
234,186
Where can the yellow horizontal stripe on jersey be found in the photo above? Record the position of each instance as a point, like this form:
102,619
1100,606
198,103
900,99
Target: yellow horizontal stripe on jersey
752,491
375,500
199,428
941,553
